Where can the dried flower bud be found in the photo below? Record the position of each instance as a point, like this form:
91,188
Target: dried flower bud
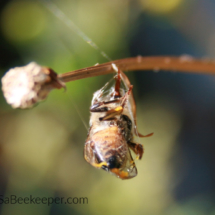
27,85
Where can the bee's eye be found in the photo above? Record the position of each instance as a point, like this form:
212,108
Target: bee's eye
113,162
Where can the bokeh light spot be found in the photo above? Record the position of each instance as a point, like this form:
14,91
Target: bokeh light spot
158,6
22,21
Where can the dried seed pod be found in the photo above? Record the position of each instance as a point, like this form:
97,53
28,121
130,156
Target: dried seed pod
25,86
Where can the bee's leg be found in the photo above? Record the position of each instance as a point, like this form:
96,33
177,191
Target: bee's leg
127,83
147,135
100,165
117,85
126,96
97,107
118,110
137,149
101,109
112,113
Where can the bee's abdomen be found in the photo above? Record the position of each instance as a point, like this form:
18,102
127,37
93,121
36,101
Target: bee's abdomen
110,146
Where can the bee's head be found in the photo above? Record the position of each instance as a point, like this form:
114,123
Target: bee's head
113,162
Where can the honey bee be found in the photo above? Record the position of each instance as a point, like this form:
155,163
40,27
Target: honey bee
112,129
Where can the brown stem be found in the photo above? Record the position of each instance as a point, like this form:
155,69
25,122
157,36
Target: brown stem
183,64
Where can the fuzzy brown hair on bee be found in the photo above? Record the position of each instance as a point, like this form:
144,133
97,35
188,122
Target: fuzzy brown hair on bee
112,129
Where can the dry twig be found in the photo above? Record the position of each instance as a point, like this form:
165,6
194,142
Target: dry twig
184,63
25,86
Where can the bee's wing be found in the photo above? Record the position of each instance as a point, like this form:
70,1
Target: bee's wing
89,154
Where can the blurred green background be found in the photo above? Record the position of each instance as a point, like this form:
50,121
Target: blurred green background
41,149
